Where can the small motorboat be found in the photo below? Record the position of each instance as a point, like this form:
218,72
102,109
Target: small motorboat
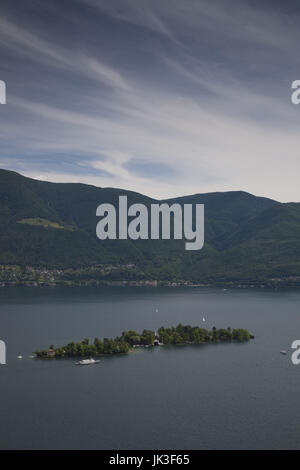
87,362
20,357
283,352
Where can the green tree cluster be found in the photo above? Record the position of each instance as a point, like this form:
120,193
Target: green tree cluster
180,334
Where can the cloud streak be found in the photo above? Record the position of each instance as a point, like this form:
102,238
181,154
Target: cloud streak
164,98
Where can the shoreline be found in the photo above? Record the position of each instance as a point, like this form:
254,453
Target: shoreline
131,275
142,348
153,284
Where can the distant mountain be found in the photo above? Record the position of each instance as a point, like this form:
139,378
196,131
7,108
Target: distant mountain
247,238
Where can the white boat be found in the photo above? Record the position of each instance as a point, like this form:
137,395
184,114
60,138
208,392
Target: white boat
283,352
87,362
20,357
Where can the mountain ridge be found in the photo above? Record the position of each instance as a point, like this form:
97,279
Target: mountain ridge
247,237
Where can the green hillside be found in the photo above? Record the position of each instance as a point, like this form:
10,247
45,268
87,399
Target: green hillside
247,238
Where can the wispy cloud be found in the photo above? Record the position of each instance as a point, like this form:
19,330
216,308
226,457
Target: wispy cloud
140,13
165,98
24,42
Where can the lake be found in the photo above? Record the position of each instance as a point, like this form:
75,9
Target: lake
224,396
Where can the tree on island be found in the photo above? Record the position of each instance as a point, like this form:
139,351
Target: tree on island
181,334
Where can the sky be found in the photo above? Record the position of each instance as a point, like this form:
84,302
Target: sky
162,97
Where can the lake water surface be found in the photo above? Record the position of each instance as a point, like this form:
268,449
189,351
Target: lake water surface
225,396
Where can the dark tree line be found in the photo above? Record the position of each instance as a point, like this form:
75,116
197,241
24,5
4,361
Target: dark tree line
181,334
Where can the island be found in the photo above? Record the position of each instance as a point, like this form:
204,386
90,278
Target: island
129,340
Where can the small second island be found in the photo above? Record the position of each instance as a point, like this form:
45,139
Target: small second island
129,340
